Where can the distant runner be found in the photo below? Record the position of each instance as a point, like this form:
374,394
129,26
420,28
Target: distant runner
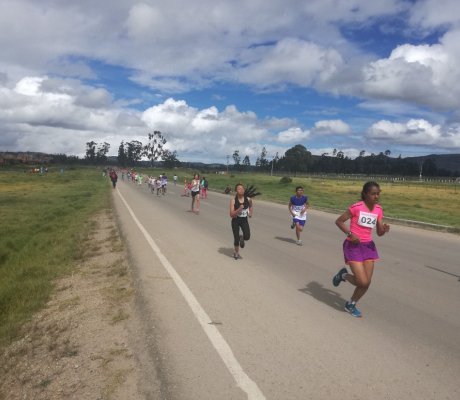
358,248
113,177
195,189
298,205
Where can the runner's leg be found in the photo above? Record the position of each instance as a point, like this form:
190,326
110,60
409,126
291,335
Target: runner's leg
361,278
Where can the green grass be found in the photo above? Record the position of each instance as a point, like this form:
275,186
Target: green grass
44,220
423,202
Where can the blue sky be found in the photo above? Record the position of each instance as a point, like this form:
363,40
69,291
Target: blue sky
219,76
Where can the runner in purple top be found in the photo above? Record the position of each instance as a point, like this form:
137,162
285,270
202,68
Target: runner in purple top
298,205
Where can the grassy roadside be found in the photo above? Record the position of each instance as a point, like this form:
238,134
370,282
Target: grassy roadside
44,220
423,202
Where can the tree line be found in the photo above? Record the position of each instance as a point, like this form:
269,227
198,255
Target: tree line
295,160
298,159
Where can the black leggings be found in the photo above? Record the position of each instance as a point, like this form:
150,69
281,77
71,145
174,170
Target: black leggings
236,223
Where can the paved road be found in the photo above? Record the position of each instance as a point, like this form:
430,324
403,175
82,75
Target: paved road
277,311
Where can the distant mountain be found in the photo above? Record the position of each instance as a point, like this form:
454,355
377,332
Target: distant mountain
448,162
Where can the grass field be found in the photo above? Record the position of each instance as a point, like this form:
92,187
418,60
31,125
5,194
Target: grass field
423,202
44,220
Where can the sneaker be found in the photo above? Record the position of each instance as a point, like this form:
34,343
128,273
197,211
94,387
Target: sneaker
351,308
293,225
241,242
236,256
337,278
299,243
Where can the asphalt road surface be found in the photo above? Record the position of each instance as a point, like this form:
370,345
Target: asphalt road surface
272,326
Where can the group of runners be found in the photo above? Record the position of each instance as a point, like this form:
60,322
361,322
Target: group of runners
158,184
357,223
359,250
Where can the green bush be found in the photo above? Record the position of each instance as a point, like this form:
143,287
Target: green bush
286,179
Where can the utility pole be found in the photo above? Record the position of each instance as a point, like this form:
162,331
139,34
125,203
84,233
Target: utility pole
228,158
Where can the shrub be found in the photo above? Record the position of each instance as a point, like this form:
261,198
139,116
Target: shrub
286,179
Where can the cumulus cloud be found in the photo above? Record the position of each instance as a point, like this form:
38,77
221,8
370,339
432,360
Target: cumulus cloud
179,46
291,61
208,133
331,127
55,116
59,115
417,132
293,135
432,14
423,74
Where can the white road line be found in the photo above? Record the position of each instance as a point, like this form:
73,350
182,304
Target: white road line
223,349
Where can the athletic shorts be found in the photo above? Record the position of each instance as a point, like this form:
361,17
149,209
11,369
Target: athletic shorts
195,193
299,221
359,252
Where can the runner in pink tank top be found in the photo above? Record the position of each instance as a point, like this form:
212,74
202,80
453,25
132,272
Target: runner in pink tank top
359,249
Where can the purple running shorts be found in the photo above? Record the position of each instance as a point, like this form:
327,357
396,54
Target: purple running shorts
359,252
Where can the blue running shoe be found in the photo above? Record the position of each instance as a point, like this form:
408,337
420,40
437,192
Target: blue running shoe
337,278
351,308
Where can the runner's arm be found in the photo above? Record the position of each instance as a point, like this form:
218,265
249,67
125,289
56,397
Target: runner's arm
340,222
382,228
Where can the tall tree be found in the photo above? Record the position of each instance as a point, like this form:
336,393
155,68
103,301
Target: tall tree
133,152
262,161
90,155
236,159
246,161
170,159
296,159
102,151
153,150
122,155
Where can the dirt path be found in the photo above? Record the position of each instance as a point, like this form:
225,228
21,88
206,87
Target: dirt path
85,343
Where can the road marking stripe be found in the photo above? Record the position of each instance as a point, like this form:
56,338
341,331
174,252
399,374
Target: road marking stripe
223,349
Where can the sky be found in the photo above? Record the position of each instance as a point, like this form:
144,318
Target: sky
218,76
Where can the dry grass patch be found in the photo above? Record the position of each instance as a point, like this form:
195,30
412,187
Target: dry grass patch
78,346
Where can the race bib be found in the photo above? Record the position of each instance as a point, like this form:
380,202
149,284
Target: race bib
367,220
243,213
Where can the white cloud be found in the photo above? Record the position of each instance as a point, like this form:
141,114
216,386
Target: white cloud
61,115
177,46
421,74
291,61
331,127
208,133
432,14
416,132
55,116
293,135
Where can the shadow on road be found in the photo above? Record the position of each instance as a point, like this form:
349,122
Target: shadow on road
326,296
226,251
284,239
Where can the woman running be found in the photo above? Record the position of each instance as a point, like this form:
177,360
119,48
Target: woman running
195,189
240,210
358,248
